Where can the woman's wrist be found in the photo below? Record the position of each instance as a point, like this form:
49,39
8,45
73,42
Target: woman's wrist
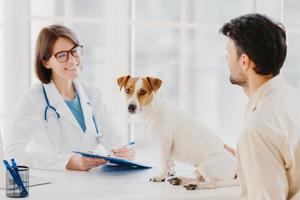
74,163
127,153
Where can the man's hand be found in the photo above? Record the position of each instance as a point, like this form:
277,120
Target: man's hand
230,149
127,153
81,163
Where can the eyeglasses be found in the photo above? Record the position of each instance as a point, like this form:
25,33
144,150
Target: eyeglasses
63,56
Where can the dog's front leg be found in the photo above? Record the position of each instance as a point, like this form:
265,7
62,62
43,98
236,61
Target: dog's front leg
165,164
171,166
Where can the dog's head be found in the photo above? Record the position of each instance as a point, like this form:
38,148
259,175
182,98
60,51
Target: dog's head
139,92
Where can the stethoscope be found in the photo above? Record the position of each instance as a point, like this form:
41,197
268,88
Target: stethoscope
49,107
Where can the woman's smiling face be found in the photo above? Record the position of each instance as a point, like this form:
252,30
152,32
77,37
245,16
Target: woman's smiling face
70,68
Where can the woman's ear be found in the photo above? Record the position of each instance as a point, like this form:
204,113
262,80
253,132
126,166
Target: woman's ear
46,64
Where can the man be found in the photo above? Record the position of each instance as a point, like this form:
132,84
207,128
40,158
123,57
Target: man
268,151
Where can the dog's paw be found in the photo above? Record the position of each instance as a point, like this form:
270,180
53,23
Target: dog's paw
175,181
190,186
157,179
171,173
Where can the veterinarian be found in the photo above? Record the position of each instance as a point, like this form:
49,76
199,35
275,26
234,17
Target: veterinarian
60,114
268,151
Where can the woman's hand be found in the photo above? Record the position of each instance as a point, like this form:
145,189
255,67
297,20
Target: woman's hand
81,163
230,149
127,153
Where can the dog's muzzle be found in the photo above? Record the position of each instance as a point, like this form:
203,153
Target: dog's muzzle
132,108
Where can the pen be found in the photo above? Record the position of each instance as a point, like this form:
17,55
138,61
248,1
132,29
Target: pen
129,144
16,178
15,166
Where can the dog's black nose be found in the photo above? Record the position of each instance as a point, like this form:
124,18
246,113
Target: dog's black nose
131,107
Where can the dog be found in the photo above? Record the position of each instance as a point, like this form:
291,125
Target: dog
180,137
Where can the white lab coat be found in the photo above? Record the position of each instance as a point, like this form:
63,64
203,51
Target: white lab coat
38,143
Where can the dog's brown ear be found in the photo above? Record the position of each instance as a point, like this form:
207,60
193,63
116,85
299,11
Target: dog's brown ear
154,83
122,81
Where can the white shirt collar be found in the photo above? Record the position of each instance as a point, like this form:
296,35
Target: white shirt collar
263,91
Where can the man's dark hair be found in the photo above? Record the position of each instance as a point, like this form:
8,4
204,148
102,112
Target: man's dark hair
261,39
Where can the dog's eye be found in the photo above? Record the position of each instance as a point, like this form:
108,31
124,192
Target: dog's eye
127,90
143,92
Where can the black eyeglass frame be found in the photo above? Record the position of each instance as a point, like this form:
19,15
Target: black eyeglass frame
71,51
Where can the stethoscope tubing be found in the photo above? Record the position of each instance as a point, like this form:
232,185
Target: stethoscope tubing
49,107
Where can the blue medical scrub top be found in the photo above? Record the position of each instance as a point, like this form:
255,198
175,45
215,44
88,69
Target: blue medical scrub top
75,106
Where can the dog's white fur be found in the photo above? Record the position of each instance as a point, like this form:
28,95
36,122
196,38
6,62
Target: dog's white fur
183,139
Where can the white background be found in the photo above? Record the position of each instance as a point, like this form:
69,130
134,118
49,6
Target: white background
176,40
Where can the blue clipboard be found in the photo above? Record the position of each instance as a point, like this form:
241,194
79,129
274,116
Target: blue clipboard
114,160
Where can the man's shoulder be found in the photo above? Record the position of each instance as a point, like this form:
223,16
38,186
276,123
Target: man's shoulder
280,100
274,115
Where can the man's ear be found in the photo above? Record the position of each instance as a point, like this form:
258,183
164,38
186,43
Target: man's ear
245,61
122,81
154,83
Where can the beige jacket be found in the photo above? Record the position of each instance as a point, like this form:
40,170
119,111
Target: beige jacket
268,151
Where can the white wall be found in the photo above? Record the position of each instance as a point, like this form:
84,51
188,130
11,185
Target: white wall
1,73
176,40
16,54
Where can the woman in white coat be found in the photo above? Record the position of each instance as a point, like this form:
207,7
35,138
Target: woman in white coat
60,115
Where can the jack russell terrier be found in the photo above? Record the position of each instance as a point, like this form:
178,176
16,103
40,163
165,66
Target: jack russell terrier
180,137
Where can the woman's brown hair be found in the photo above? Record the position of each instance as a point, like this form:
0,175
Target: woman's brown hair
44,48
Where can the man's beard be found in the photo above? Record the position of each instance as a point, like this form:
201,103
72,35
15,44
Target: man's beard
236,81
